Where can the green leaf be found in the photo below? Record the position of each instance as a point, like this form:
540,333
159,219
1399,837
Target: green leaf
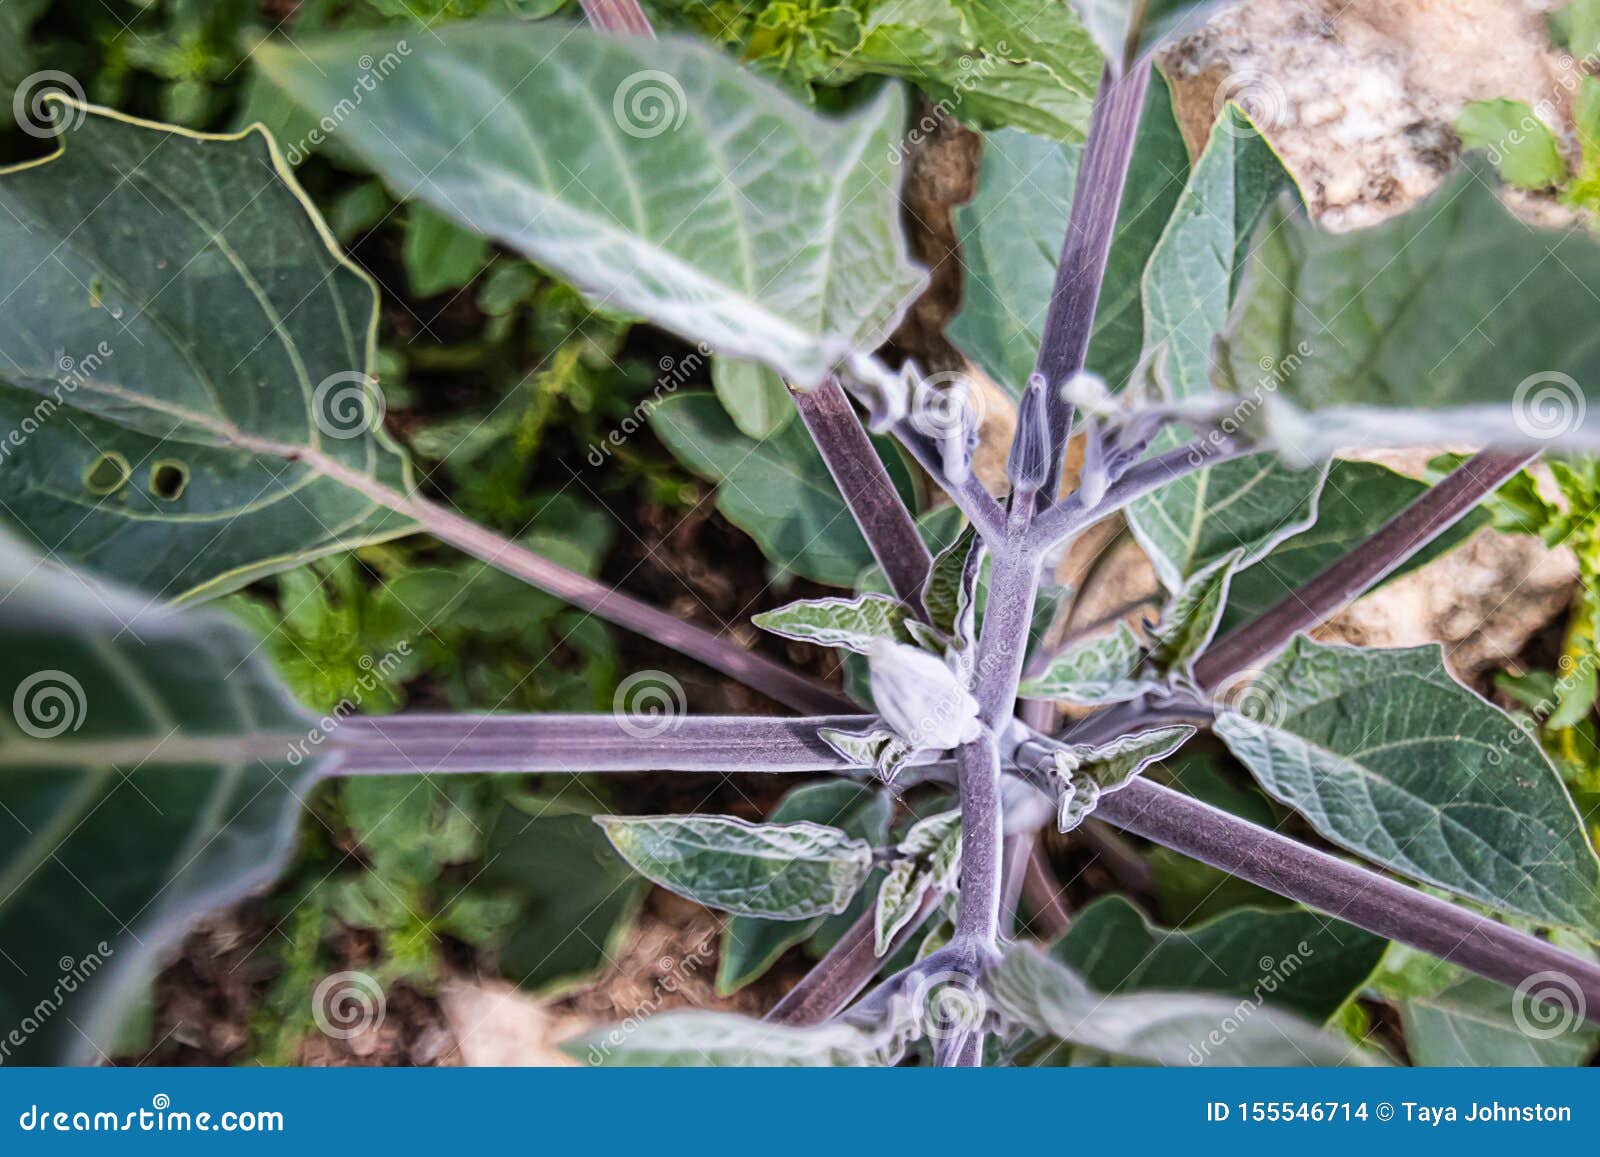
727,1040
1455,322
185,375
1358,499
1387,755
876,747
1190,620
852,624
1105,669
951,589
930,859
1126,29
1521,146
152,771
777,490
1188,288
1293,959
623,164
1179,1029
754,396
750,946
1011,237
1477,1022
1082,773
778,871
439,254
16,54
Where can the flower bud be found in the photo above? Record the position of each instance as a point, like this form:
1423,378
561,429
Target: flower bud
920,698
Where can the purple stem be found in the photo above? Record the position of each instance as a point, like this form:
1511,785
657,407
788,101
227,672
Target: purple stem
1350,893
885,523
435,744
1434,512
969,495
622,17
1096,196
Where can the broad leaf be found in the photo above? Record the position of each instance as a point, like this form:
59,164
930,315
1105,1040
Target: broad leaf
150,770
1294,959
1476,1022
777,490
628,166
183,360
1520,145
1159,1028
852,624
1104,669
930,859
1011,238
778,871
1387,755
1081,774
1125,29
727,1040
1358,499
1188,288
1454,322
754,396
750,945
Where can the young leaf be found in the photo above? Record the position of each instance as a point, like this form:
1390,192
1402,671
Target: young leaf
1187,290
150,770
751,945
1296,959
1190,620
682,1039
1011,239
950,594
852,624
777,871
877,748
754,396
1082,773
930,859
1105,669
1387,755
1368,344
1522,147
439,254
1162,1028
538,135
777,490
176,298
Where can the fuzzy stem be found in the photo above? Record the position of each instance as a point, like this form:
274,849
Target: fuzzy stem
1434,512
622,17
1042,891
969,495
1096,197
1344,890
879,511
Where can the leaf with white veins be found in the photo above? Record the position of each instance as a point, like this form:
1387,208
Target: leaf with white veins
851,624
1082,773
1105,669
930,858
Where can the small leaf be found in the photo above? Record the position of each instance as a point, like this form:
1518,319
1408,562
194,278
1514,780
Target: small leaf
1190,620
1082,773
439,254
754,396
1387,755
490,122
777,871
692,1039
1522,147
877,747
1160,1028
852,624
1105,669
930,859
950,592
